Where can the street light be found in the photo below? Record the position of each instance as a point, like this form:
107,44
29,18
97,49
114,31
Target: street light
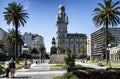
109,46
25,49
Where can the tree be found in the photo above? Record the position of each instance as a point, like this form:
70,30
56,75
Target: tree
82,51
61,50
42,51
1,45
16,15
69,58
9,39
34,51
109,37
107,15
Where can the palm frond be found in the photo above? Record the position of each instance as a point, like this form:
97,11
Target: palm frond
116,3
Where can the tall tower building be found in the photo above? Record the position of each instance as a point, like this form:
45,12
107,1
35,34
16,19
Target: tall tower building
61,24
73,41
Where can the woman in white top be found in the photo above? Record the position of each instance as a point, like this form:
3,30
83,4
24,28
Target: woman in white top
7,68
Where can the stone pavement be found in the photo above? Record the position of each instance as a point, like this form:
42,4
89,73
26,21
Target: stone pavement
42,71
37,71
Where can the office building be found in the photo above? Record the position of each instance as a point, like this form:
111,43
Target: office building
98,43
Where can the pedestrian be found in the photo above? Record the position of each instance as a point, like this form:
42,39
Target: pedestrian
29,63
7,69
12,67
25,63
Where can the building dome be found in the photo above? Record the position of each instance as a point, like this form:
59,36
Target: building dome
61,7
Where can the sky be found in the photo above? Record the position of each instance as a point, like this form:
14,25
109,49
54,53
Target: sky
42,17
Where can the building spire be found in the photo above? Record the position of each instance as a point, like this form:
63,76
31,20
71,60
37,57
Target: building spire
62,17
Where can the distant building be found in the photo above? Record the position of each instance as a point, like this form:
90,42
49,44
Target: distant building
89,47
98,45
2,33
37,41
5,48
33,40
73,41
27,37
113,53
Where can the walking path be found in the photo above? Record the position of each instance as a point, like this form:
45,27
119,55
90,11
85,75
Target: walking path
42,71
91,66
37,71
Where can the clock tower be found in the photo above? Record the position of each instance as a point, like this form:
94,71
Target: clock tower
61,26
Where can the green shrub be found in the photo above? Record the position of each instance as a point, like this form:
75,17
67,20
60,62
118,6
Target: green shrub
100,63
69,59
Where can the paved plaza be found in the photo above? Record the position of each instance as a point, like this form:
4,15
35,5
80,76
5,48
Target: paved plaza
42,71
37,71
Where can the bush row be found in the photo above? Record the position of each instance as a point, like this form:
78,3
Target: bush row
97,75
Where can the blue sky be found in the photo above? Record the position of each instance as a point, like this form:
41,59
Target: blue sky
42,17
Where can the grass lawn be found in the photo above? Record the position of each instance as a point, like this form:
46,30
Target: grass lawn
113,64
86,73
57,66
20,65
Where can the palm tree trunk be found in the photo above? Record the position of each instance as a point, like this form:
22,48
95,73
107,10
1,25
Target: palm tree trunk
106,42
16,42
13,51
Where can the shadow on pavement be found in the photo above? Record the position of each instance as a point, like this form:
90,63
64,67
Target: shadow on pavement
21,77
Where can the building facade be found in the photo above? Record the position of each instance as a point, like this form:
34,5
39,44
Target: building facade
2,34
27,37
73,41
113,54
89,47
98,43
37,41
33,40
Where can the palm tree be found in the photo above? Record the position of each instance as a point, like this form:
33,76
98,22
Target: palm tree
16,15
109,37
107,15
9,40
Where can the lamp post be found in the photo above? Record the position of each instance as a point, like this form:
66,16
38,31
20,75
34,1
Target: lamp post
109,46
25,49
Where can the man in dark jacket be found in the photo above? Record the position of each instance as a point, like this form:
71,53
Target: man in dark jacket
12,67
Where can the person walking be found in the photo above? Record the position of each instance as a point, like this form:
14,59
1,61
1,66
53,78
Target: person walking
12,67
7,69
